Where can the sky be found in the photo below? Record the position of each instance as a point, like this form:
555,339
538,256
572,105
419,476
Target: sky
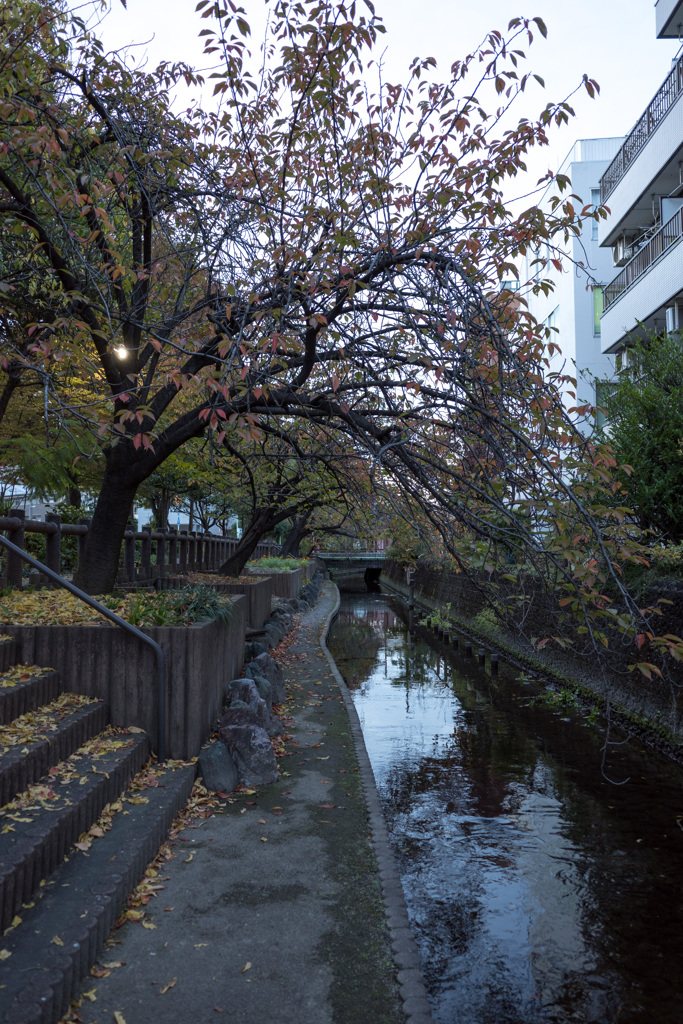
612,41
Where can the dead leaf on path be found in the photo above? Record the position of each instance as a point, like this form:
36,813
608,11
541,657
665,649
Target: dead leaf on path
5,954
324,758
100,972
198,945
246,968
168,908
219,1009
133,728
57,941
263,839
169,984
90,995
119,1018
188,859
262,821
115,963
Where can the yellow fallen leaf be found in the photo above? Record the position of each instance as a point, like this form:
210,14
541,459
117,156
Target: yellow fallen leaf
5,954
84,779
57,941
119,1018
148,924
188,859
16,921
114,963
135,915
168,985
263,839
246,967
138,799
133,728
90,995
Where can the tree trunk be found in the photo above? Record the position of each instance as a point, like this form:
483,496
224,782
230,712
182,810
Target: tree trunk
293,540
97,573
261,522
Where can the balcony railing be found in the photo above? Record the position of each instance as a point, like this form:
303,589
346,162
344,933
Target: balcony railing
668,235
663,101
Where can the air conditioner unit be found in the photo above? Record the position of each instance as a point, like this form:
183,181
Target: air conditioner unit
621,252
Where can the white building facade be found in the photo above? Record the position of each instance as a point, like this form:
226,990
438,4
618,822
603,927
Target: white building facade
643,188
574,305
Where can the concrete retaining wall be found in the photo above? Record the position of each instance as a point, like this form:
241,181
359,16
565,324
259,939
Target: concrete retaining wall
105,662
258,594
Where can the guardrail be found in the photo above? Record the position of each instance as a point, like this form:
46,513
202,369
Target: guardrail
146,554
664,239
662,102
162,680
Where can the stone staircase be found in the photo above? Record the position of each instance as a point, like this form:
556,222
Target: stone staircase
79,823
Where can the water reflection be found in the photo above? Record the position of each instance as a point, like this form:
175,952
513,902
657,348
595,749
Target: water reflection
539,892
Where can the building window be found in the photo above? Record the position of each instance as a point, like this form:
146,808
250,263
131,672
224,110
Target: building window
595,201
553,321
603,389
598,305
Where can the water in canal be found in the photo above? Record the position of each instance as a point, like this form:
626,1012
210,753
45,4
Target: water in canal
538,890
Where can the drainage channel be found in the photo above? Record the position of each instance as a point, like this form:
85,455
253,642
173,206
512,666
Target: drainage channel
538,889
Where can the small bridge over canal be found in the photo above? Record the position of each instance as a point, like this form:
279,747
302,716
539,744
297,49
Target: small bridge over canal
354,563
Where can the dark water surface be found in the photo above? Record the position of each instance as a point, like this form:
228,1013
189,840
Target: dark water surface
538,891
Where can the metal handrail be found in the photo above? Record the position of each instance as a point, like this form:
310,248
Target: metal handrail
670,233
662,102
162,679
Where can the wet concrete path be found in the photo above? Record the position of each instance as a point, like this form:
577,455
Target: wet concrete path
271,909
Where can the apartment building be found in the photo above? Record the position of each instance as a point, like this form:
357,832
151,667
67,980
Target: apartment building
643,188
574,305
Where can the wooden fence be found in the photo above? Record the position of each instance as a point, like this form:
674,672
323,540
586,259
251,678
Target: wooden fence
145,554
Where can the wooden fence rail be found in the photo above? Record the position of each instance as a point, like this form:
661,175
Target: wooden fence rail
145,554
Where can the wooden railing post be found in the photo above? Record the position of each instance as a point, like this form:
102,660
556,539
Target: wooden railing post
53,543
183,551
82,539
172,550
14,562
129,551
146,553
161,553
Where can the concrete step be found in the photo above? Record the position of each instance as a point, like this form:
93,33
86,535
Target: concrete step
60,937
39,826
9,652
36,741
26,691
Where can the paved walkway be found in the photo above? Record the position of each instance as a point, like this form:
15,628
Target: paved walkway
285,905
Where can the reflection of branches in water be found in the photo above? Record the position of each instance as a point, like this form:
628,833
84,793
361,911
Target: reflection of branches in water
355,648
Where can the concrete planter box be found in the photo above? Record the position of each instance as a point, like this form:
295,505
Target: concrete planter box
257,594
105,662
285,584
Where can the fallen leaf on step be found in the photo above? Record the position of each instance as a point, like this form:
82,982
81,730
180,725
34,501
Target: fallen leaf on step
246,968
148,924
169,984
90,995
188,859
119,1018
114,963
5,954
57,941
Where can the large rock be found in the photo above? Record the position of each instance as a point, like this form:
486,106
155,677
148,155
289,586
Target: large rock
270,669
245,693
265,690
252,752
256,713
218,769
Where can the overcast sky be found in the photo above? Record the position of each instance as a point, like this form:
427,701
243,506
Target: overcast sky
612,41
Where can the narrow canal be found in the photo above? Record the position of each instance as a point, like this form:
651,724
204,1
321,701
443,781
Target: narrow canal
538,891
